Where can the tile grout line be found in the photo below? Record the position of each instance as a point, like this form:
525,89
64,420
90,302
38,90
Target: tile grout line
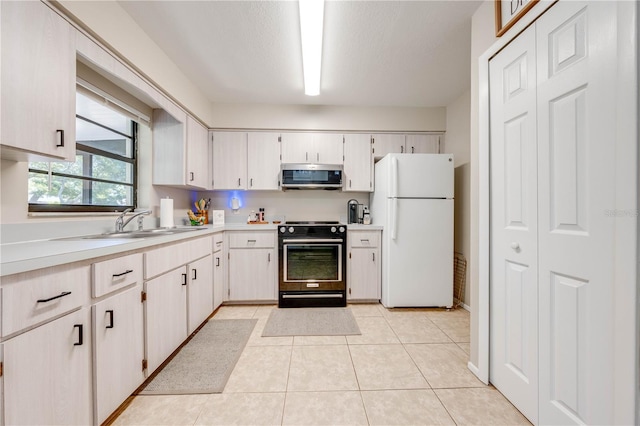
355,373
286,388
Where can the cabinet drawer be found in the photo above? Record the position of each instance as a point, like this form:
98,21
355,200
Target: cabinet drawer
35,297
117,273
364,239
240,239
218,242
164,259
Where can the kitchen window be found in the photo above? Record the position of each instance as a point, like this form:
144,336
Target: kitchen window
103,177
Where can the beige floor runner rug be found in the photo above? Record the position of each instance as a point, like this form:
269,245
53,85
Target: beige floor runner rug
311,322
205,363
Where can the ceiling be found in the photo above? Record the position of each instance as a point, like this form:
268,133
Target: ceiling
375,53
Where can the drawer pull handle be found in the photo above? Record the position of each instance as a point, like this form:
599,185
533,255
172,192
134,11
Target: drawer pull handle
63,294
251,241
80,334
217,261
110,312
362,240
184,279
195,274
128,271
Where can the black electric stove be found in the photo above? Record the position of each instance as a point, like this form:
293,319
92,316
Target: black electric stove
312,268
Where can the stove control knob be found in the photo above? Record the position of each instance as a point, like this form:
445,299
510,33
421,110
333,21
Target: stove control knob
291,229
333,229
282,229
342,229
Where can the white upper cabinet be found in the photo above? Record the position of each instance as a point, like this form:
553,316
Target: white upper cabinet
422,144
229,160
38,83
358,162
296,146
328,148
263,161
180,150
197,155
384,144
325,148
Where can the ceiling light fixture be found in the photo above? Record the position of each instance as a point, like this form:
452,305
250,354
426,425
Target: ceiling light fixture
311,24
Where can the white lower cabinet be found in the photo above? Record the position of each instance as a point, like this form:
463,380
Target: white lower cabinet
252,266
219,281
47,373
363,268
165,316
252,274
118,338
199,292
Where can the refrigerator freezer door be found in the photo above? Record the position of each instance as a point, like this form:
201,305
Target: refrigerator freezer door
417,267
421,175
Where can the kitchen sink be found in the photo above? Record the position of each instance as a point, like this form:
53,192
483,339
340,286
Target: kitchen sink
146,233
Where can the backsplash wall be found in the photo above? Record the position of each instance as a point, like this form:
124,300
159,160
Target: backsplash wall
290,205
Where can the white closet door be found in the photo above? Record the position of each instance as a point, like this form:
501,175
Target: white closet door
576,122
514,224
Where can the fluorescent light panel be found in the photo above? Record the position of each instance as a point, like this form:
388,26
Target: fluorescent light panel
311,24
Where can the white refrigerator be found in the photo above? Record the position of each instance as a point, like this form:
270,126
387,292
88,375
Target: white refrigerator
413,201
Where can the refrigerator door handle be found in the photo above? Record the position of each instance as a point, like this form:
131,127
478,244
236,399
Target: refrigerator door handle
394,219
394,177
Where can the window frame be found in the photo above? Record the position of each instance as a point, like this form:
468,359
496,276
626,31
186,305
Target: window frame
91,208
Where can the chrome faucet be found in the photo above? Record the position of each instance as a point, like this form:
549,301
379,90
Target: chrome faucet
121,223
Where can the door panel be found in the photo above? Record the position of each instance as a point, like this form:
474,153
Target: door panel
576,65
514,269
422,176
416,256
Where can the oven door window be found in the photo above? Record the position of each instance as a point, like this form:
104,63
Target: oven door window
312,262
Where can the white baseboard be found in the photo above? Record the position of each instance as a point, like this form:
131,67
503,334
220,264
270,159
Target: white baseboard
475,371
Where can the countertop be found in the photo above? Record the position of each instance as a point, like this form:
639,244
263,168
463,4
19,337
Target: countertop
27,256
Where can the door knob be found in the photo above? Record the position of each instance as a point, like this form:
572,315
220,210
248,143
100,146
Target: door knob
515,246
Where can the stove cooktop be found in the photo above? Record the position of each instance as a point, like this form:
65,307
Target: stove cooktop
307,223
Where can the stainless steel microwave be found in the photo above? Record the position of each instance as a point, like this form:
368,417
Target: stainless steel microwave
311,176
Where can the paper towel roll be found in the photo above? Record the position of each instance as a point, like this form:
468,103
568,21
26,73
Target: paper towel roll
166,213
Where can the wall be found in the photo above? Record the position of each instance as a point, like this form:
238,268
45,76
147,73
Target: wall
283,205
457,142
318,117
482,37
110,23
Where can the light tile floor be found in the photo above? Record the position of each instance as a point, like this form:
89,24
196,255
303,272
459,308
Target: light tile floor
408,367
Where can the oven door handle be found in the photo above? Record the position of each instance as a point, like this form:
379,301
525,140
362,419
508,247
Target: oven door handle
312,240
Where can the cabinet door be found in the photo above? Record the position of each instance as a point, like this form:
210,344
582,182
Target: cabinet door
297,148
118,344
199,292
263,161
47,373
364,274
328,148
252,274
218,279
358,163
197,155
384,144
38,81
229,160
423,144
165,316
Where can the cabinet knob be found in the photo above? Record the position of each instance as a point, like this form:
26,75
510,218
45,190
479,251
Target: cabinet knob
515,246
